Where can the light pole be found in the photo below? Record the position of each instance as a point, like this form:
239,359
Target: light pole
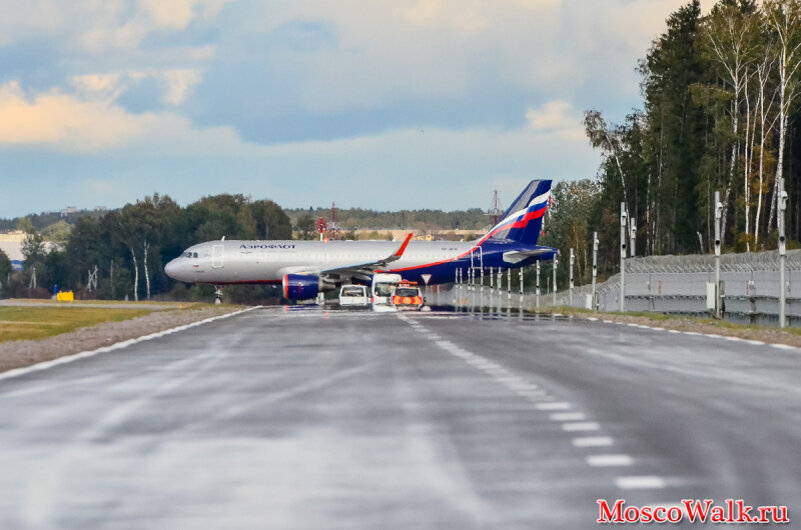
782,257
572,260
537,289
623,225
594,266
553,291
718,219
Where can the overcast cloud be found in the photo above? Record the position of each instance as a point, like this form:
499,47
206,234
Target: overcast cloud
386,105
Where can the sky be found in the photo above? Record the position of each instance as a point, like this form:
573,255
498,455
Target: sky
385,105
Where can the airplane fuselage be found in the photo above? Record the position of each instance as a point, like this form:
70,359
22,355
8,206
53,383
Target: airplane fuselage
233,262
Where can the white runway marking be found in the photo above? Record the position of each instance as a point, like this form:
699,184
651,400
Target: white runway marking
593,441
581,426
640,482
556,405
118,346
567,416
609,460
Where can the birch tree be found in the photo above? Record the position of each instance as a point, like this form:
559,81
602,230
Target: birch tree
731,34
784,19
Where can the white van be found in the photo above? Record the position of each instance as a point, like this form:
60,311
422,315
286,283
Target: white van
384,287
353,296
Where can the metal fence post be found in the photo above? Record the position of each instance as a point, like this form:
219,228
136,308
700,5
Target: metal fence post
499,280
633,224
782,257
509,286
623,237
572,260
594,266
553,291
718,217
537,289
481,287
520,299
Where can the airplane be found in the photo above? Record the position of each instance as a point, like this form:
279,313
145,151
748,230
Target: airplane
306,268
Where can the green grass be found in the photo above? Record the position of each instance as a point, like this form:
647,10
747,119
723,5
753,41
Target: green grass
660,317
31,323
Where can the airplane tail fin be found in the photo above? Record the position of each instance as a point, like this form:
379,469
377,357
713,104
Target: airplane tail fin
522,222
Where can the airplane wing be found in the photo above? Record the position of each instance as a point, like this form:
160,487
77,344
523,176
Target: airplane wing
365,270
356,270
516,256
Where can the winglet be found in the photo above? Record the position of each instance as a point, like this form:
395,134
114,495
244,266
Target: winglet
398,253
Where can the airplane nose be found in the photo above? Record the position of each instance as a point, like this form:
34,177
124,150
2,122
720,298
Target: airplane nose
171,269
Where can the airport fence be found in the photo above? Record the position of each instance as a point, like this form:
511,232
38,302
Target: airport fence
678,285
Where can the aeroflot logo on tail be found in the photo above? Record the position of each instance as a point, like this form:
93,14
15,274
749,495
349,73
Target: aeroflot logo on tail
243,246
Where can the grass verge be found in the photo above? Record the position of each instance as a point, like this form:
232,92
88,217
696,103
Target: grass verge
32,323
773,335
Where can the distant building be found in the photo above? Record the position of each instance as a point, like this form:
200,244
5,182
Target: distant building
68,210
11,245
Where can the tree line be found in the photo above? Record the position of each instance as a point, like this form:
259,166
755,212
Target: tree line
720,102
421,221
130,246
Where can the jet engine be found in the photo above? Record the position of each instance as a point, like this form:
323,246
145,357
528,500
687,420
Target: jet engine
304,287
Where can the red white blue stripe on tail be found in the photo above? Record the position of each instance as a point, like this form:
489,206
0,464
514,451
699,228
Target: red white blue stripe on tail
522,222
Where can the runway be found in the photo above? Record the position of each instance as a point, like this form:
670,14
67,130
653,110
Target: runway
311,419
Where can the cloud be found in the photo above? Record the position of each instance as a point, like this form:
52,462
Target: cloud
103,84
61,121
120,30
177,14
556,116
179,82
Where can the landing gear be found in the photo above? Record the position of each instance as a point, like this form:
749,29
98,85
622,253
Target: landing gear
218,294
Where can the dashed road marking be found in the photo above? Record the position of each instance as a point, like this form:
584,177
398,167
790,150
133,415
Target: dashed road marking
609,460
593,441
556,405
581,426
642,482
567,416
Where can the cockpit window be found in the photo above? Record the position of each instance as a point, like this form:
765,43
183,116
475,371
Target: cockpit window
187,254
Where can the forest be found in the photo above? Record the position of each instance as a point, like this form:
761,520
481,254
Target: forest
130,247
720,101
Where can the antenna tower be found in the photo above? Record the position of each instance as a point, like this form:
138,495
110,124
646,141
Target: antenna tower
333,224
495,211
